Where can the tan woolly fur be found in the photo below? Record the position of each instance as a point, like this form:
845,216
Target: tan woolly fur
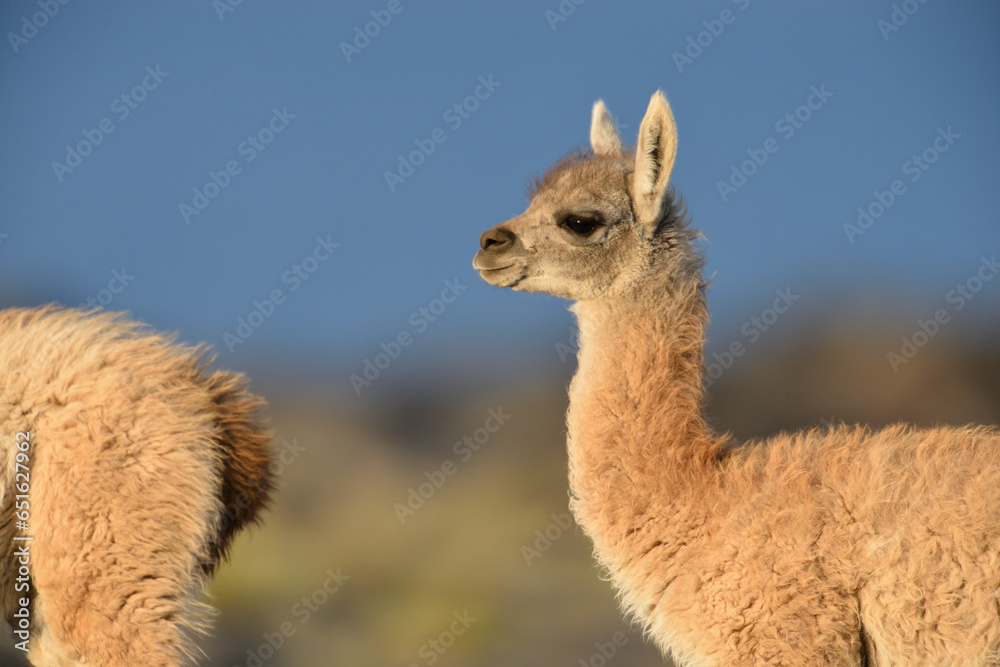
835,546
143,465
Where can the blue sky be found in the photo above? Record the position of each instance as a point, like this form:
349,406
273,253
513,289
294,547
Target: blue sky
327,130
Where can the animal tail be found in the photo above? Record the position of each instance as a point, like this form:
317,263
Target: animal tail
244,446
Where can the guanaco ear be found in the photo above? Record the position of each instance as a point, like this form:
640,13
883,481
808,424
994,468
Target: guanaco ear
604,137
654,160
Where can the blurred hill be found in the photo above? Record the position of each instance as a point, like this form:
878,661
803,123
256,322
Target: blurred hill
841,373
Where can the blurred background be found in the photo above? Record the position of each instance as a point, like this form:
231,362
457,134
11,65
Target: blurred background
303,185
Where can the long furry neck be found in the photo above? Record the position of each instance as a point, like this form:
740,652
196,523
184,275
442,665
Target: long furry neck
638,441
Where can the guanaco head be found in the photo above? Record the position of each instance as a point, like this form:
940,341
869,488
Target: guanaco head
597,219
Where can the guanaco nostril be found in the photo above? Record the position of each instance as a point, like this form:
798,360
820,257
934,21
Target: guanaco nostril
497,236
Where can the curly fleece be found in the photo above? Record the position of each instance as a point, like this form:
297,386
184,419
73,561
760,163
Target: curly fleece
143,466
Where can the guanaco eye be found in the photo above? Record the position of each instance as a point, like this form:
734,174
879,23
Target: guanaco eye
580,225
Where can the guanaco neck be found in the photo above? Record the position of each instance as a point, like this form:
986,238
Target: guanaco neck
638,441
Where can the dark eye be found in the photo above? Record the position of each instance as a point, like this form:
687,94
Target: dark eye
580,225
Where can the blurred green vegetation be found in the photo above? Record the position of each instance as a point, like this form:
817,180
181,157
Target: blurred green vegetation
460,551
